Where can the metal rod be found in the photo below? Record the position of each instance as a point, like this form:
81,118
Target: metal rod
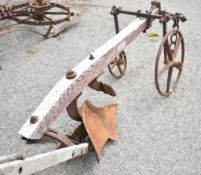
116,22
164,28
139,14
165,46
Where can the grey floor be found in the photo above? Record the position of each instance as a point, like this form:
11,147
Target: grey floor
156,135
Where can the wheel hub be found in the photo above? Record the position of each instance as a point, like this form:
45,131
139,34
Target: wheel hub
39,4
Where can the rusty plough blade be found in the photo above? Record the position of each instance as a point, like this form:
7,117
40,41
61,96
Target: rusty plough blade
100,124
97,123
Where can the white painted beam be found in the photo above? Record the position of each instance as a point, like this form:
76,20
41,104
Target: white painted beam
40,162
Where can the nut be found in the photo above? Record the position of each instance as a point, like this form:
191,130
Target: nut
91,57
70,74
33,119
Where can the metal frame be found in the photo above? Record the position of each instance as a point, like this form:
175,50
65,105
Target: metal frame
38,13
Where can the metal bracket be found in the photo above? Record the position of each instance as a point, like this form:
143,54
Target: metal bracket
59,136
99,86
73,109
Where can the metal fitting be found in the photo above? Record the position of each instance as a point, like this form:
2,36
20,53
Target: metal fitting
33,119
70,74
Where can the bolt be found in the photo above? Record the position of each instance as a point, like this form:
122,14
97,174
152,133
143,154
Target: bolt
20,170
91,57
115,10
70,74
34,119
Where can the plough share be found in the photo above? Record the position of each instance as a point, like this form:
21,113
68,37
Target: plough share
97,123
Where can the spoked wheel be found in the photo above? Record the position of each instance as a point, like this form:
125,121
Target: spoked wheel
169,62
40,12
118,66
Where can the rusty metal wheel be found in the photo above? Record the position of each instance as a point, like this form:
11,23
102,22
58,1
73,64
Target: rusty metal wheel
169,62
46,13
118,66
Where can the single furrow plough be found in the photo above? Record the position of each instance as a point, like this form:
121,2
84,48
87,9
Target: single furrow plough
97,124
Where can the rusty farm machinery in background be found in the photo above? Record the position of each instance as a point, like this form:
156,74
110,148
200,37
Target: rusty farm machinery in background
54,16
97,124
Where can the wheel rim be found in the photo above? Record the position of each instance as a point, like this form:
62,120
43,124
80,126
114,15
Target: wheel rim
171,62
118,66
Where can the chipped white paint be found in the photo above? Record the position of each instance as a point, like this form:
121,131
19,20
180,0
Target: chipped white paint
66,90
42,161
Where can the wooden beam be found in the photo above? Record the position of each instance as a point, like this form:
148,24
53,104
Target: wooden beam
40,162
66,90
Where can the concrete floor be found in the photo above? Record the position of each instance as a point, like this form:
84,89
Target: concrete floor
156,135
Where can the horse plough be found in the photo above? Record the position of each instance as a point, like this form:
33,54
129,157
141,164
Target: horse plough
97,124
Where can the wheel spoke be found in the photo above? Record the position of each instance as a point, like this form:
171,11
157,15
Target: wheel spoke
169,79
175,83
177,47
21,13
164,69
178,64
165,57
121,61
120,69
49,19
168,50
112,65
56,13
29,17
